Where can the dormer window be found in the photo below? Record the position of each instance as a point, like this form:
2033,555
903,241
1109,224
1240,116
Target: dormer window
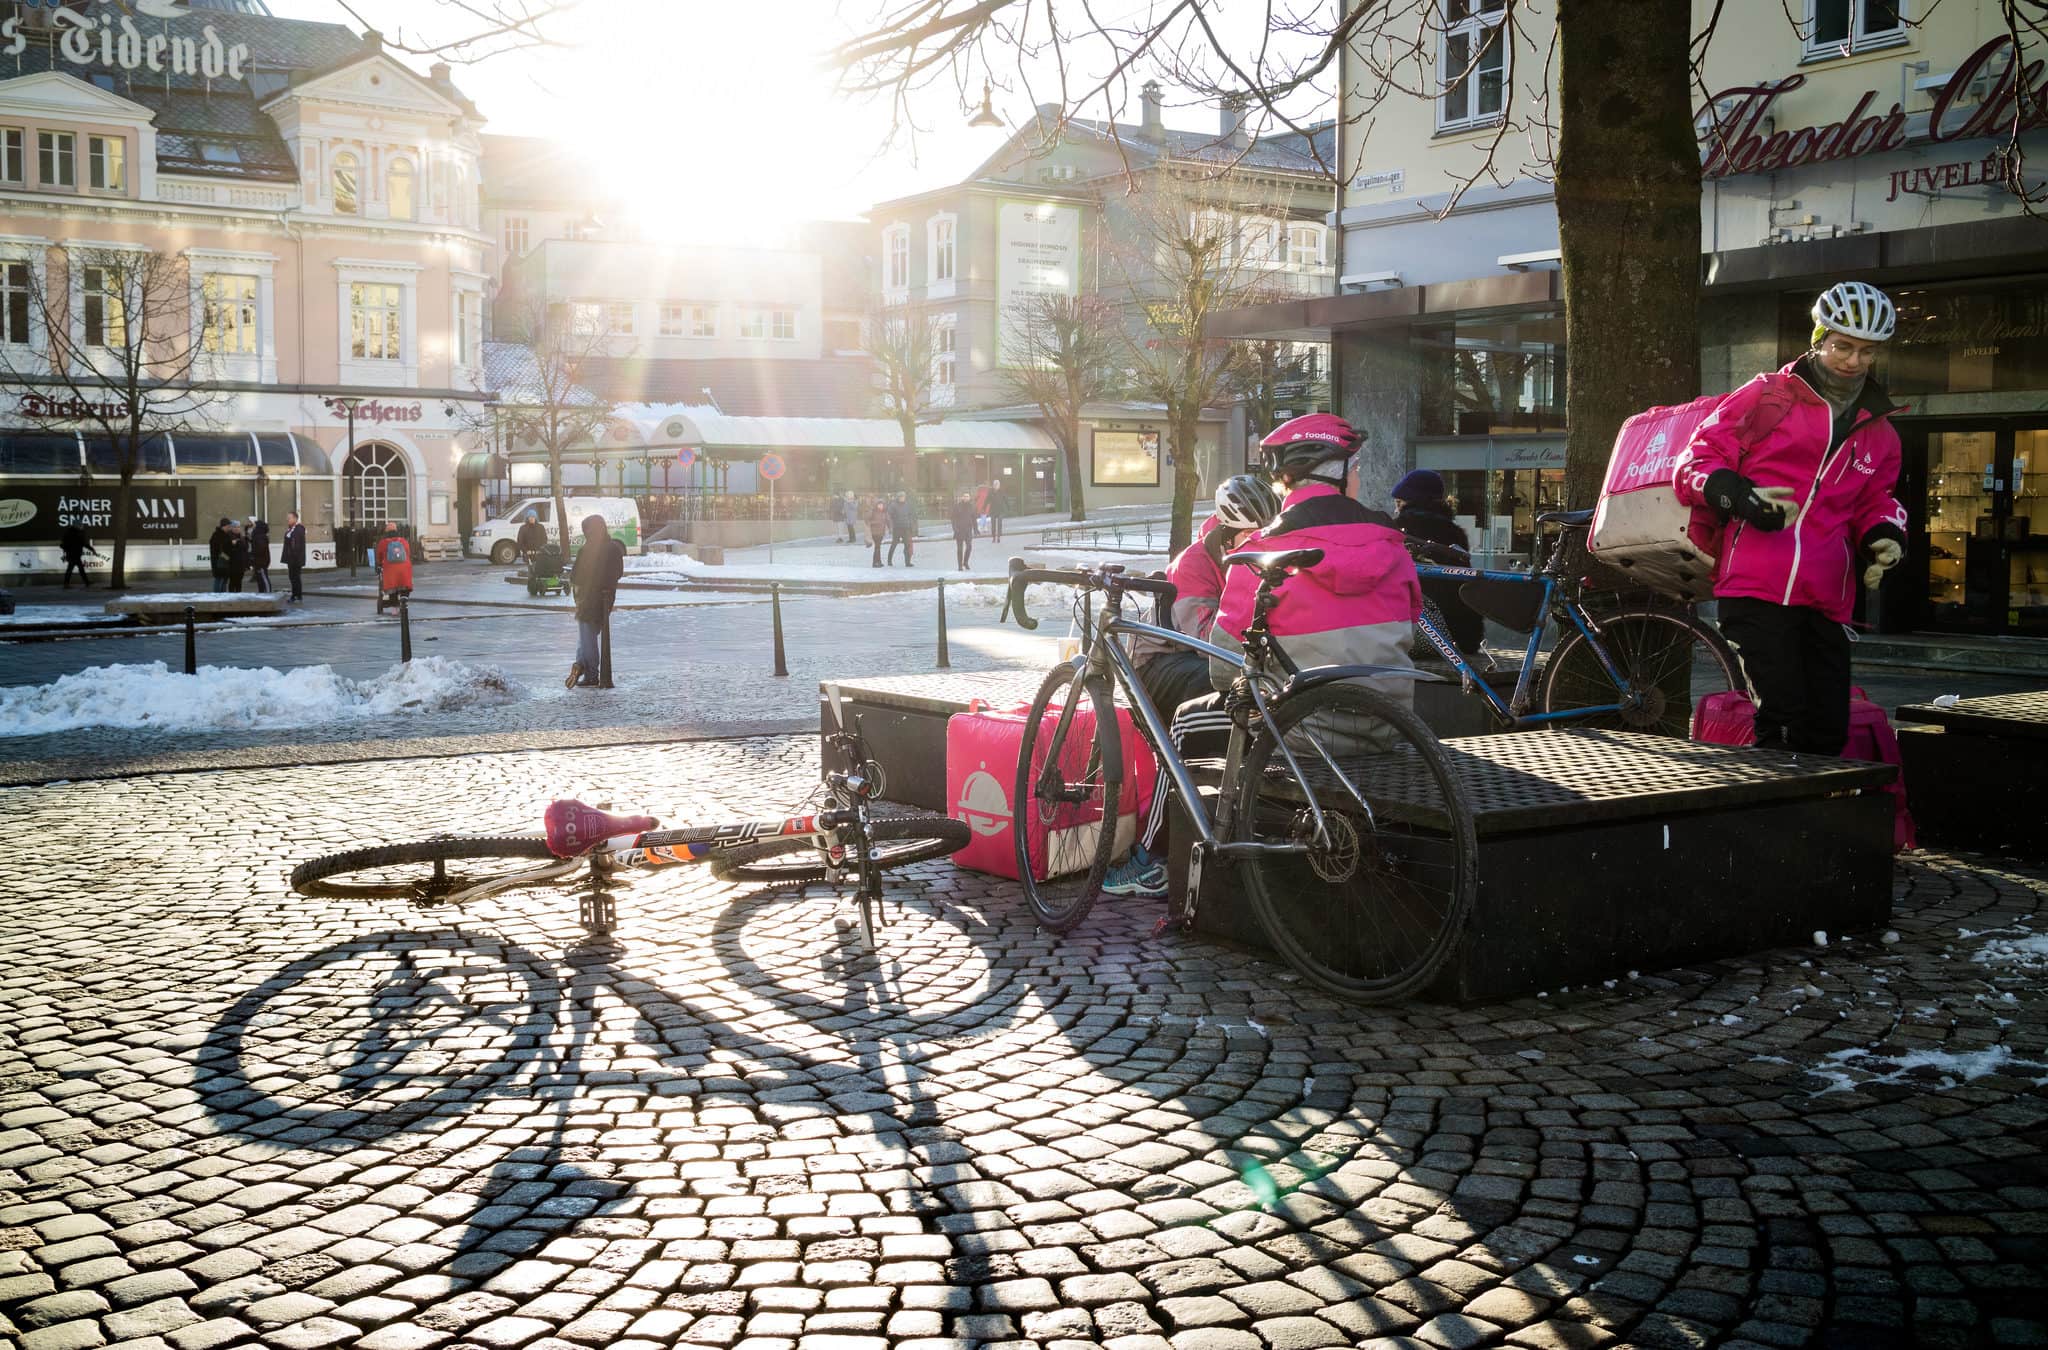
345,180
398,190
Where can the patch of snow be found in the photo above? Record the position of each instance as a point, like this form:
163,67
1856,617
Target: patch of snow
1953,1065
2028,954
154,696
1730,1020
1820,938
55,614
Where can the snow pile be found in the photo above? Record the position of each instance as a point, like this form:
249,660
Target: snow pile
1855,1068
2024,954
158,698
53,615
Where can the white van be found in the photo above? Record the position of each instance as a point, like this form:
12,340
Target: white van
498,538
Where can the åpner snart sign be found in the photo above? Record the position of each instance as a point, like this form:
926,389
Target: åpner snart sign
41,514
111,38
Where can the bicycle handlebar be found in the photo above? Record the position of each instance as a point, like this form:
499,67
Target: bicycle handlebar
1087,578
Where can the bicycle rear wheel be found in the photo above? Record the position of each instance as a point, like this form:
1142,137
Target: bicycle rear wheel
1370,914
420,871
900,840
1669,659
1069,776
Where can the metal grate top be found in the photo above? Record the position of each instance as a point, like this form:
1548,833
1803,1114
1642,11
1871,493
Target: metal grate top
2024,715
943,692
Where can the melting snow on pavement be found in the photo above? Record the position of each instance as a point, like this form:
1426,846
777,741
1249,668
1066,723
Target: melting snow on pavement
156,697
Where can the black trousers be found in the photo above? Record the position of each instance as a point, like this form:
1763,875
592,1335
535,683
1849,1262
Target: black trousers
295,569
79,565
904,539
1797,663
995,526
963,550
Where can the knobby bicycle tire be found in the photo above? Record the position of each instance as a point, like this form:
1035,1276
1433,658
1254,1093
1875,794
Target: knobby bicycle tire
315,877
1671,658
1075,844
1373,917
901,840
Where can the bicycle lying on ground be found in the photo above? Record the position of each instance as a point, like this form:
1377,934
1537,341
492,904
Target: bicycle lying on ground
1625,663
844,841
1336,805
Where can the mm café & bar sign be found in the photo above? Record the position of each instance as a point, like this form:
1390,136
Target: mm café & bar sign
1735,141
30,515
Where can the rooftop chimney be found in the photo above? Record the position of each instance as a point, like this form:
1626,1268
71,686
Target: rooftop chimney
1152,128
1230,122
438,72
373,40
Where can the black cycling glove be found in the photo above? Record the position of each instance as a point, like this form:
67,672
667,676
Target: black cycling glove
1766,508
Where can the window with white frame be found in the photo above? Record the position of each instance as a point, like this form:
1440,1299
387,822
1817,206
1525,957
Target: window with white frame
1472,64
228,312
106,308
106,159
57,159
772,324
15,294
13,156
1258,242
398,191
517,231
689,320
896,251
469,328
1215,228
344,180
942,248
1305,245
945,332
375,321
618,318
1839,27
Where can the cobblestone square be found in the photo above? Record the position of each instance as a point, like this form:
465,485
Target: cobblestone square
233,1116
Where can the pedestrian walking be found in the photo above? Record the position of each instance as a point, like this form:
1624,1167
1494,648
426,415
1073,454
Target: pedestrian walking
532,537
259,555
394,566
74,546
595,581
849,512
995,511
1802,463
292,553
902,527
219,552
963,531
878,525
238,556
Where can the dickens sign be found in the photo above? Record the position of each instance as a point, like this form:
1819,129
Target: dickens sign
1737,134
36,515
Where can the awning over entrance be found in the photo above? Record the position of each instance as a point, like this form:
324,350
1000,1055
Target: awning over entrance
1464,453
1314,320
481,464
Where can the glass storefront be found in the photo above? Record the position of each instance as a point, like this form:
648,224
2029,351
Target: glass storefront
1984,508
1492,376
1963,339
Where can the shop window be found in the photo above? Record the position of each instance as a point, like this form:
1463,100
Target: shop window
1969,339
13,159
1472,62
1484,377
375,315
106,163
1839,27
344,180
398,191
229,312
1126,458
56,159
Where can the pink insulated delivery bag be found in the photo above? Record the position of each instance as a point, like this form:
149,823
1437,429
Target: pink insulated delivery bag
1639,526
982,746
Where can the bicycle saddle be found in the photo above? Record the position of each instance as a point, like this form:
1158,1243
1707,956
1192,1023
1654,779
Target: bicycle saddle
1278,560
1568,519
574,828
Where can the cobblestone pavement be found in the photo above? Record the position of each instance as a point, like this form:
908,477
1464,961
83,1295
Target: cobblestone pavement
232,1116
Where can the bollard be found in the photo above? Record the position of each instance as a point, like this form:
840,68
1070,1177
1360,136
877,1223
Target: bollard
944,664
404,630
345,540
191,641
604,651
775,601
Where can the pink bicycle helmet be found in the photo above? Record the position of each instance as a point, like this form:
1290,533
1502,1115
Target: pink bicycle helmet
1298,445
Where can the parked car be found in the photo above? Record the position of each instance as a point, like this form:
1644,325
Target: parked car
498,537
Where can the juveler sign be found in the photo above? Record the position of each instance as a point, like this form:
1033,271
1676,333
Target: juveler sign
1734,141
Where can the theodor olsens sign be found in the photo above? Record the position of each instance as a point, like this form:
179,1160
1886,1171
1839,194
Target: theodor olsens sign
1735,139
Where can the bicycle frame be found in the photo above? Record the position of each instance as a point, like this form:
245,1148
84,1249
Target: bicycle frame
1513,709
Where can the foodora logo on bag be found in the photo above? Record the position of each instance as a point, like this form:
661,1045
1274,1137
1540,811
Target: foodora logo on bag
983,803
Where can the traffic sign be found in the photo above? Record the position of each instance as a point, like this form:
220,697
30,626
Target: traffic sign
686,456
772,467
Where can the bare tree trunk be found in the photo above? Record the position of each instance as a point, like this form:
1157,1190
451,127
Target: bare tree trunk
1187,476
561,503
117,572
1628,214
1077,509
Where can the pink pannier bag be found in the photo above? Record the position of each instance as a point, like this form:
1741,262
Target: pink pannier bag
1639,526
1729,718
981,772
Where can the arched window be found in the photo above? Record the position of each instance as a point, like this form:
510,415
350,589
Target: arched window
373,486
345,179
398,191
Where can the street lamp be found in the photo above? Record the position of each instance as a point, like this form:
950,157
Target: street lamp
346,404
987,116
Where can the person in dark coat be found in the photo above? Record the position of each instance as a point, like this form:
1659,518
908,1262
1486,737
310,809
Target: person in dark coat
74,545
259,555
292,552
533,536
963,531
878,525
902,526
238,556
220,549
595,580
1424,516
849,512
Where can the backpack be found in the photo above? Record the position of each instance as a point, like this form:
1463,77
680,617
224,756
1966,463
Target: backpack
1729,718
394,550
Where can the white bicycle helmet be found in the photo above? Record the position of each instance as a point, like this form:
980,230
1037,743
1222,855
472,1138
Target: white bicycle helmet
1246,502
1855,309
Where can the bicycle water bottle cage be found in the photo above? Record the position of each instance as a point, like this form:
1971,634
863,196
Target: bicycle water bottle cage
574,829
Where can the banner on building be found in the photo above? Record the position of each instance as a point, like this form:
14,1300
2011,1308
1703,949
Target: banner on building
1038,253
39,515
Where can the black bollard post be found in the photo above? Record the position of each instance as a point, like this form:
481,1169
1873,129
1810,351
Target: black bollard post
775,601
345,540
944,663
604,651
404,630
191,641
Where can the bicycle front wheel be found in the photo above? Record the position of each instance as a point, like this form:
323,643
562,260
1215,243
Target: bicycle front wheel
900,840
1369,911
1064,809
421,871
1668,660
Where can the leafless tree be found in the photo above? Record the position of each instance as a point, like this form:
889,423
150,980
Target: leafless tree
1060,354
115,348
1266,373
548,400
463,32
898,339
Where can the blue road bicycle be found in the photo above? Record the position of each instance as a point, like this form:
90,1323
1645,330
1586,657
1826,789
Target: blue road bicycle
1621,660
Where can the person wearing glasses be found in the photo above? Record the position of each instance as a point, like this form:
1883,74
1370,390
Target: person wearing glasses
1802,463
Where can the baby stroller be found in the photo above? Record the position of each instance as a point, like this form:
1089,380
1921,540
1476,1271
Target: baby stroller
544,571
